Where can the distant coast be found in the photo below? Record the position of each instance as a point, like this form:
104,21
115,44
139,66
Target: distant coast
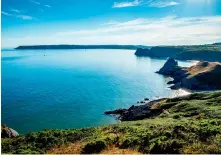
42,47
190,52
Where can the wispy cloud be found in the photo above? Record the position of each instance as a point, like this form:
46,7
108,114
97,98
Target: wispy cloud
6,14
169,30
35,2
48,6
15,10
163,3
23,17
149,3
127,4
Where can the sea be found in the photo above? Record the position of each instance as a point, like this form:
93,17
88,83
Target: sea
60,89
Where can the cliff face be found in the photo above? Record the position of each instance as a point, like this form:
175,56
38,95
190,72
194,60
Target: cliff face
202,76
164,51
158,51
142,52
206,55
203,52
170,67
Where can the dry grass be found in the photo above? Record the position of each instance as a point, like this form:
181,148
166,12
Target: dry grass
115,150
199,148
202,67
74,148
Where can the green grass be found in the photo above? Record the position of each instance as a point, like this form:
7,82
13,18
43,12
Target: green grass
198,48
193,126
193,52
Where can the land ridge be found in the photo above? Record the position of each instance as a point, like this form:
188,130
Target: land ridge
40,47
191,52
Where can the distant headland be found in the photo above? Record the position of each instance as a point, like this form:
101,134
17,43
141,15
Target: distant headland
208,52
42,47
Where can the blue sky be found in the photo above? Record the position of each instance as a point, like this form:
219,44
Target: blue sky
146,22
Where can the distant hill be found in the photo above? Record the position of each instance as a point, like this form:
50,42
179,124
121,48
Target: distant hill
42,47
217,43
196,52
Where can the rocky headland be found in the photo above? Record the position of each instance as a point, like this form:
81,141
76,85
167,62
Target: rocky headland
7,132
202,76
137,112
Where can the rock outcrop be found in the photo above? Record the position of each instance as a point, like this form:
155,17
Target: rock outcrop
7,132
169,67
202,76
137,112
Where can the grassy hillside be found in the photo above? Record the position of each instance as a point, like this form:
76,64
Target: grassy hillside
190,124
196,52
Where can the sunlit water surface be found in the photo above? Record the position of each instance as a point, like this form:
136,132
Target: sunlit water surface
72,88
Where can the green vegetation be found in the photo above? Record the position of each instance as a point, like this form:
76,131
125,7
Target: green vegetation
194,52
193,125
196,48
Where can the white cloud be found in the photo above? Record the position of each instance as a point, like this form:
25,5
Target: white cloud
35,2
169,30
14,10
6,14
47,6
126,4
149,3
162,3
23,17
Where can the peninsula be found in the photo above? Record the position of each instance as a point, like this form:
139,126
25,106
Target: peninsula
191,52
43,47
202,76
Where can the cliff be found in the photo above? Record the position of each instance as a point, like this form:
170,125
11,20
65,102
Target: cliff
202,76
200,52
187,125
141,51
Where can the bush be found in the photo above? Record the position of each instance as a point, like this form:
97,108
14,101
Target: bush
94,147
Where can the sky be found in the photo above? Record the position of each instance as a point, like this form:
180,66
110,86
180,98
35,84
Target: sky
136,22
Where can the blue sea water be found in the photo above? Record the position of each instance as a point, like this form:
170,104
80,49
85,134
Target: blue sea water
61,89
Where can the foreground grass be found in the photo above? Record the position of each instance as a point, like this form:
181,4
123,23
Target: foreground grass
193,125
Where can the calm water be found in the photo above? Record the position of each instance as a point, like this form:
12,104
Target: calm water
72,88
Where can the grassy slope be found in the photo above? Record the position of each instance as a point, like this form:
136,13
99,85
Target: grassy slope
206,73
195,52
193,126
